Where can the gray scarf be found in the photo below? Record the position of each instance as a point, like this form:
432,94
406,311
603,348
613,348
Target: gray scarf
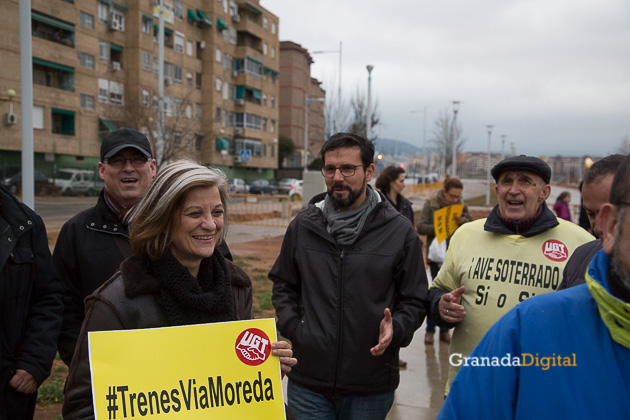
345,226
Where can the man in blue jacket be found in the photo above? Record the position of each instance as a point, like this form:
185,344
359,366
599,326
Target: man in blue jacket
30,308
349,290
563,354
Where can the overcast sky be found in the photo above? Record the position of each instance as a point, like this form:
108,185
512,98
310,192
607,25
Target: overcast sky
553,76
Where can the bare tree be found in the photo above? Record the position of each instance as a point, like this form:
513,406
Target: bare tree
337,112
445,133
359,108
624,146
181,129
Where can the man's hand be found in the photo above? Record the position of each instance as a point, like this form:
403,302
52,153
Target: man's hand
461,220
385,334
23,382
282,349
450,309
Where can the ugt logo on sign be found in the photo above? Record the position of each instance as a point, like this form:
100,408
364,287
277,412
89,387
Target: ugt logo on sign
252,347
555,250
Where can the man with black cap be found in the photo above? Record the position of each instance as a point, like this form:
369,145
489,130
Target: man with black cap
492,264
92,244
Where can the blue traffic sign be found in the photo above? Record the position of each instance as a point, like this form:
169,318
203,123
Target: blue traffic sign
246,155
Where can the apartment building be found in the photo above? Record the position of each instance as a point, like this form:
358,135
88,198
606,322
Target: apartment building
301,99
95,68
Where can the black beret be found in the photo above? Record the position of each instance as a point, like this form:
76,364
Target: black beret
525,163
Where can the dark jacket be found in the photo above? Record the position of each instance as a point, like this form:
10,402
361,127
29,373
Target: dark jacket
89,250
578,263
127,302
404,207
546,221
30,303
330,300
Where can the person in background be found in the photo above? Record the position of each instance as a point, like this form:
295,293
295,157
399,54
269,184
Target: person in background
561,207
450,195
595,193
30,308
175,275
391,182
349,289
493,264
572,348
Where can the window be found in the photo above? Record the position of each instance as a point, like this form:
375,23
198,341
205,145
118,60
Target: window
189,48
233,35
118,21
273,52
198,112
224,116
86,60
198,80
155,66
253,68
198,139
226,61
189,78
225,6
255,146
264,124
226,34
178,74
146,26
168,71
233,8
188,141
51,29
264,100
265,23
226,90
217,114
145,97
179,9
218,83
177,138
168,106
38,117
86,20
116,93
63,122
103,51
87,101
243,119
218,56
178,106
273,102
115,53
189,111
47,73
265,47
103,90
273,126
178,43
103,11
146,60
273,28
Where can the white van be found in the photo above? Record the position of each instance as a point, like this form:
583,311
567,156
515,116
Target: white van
77,181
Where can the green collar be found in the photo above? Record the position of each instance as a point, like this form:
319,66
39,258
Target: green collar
614,312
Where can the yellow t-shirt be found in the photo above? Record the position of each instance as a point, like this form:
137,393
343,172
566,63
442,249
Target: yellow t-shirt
499,271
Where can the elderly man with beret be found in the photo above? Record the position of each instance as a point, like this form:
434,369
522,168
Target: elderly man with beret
492,264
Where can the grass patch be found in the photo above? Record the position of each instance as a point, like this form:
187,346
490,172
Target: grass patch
264,301
51,391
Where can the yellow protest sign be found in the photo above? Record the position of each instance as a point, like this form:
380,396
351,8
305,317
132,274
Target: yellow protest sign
444,221
220,371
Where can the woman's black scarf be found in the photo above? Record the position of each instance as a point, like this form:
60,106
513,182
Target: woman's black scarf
189,301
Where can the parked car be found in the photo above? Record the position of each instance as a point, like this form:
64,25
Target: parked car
43,184
291,186
238,186
77,181
262,186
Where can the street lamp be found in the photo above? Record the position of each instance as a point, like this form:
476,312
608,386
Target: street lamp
307,103
488,171
454,135
337,52
503,136
368,122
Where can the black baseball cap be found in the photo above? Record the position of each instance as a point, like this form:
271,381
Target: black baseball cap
525,163
122,138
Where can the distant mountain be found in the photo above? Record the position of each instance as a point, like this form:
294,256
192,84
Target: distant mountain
397,147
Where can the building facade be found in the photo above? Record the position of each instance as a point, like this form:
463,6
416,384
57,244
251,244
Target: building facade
95,68
300,94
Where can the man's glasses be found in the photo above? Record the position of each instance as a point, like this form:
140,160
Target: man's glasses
346,170
453,196
137,162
